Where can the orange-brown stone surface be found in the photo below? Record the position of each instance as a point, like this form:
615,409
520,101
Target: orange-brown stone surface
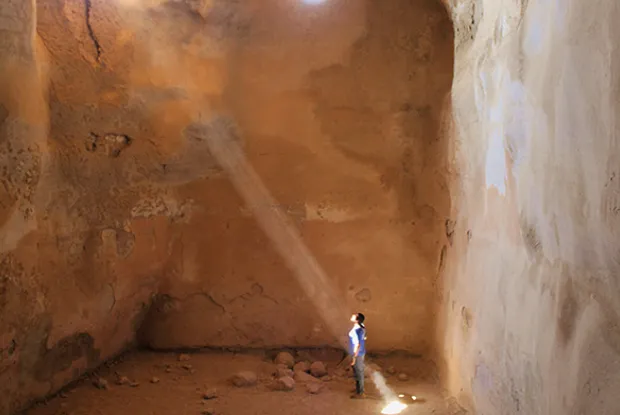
113,218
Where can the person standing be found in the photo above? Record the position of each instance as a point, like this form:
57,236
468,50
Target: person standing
357,349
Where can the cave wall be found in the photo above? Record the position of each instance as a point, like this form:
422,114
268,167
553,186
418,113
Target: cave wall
531,298
337,107
109,206
78,260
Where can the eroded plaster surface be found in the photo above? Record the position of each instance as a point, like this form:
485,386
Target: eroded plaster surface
531,300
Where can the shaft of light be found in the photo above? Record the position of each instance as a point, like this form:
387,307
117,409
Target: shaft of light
393,405
384,389
393,408
287,241
275,223
220,139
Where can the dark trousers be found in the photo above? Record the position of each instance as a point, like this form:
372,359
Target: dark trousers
358,370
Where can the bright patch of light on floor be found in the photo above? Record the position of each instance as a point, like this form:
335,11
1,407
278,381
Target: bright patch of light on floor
313,1
394,407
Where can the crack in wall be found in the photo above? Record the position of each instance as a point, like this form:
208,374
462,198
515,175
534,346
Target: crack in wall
210,297
113,297
91,33
240,332
256,290
206,295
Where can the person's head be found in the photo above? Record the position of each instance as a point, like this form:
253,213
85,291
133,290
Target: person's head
358,318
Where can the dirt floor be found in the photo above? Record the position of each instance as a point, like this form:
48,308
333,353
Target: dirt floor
166,383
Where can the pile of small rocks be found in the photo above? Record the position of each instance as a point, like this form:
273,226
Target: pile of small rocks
287,374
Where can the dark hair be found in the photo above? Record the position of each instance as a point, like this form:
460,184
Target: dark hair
360,319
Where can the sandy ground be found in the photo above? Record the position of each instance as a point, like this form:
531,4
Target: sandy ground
180,387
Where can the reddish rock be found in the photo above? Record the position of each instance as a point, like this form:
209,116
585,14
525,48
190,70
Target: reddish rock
318,369
284,383
314,388
285,358
303,377
301,367
244,379
209,394
123,380
282,370
101,383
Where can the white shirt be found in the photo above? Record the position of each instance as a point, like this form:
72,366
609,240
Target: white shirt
353,335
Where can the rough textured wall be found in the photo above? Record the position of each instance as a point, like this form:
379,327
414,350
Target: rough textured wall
77,266
337,107
345,137
532,300
107,203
